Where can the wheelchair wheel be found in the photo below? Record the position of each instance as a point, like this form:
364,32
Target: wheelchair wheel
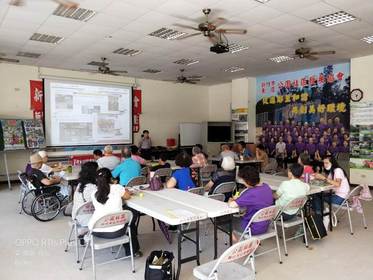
27,201
45,207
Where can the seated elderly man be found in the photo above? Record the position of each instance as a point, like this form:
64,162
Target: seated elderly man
40,178
226,152
108,161
46,168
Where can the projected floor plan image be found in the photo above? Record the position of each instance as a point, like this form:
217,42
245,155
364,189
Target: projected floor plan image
86,114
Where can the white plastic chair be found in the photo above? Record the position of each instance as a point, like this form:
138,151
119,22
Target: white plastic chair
295,204
83,213
226,268
121,218
266,214
227,187
218,196
345,206
199,190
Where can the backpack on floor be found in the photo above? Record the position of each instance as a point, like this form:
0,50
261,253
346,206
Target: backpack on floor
161,271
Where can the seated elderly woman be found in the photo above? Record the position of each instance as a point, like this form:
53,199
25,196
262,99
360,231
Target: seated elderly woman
199,159
225,175
46,168
182,178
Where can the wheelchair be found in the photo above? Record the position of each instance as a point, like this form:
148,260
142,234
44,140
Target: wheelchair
43,203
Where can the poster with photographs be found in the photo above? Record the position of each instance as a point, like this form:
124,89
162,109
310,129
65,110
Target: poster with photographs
361,139
12,135
34,133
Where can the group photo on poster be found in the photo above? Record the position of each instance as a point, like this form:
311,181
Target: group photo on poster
305,112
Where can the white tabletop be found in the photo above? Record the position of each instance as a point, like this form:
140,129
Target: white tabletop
275,181
74,175
168,211
237,161
212,207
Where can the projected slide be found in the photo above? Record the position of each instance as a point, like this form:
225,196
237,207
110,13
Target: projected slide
87,114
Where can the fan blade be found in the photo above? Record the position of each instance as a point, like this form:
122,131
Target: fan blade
322,52
119,71
190,82
231,31
188,36
194,77
186,26
218,21
89,70
311,57
9,60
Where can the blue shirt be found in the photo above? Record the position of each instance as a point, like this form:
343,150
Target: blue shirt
127,170
183,179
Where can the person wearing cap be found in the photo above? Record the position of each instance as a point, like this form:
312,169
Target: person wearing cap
225,175
36,162
45,168
108,161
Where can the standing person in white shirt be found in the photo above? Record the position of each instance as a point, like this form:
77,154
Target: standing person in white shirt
280,151
108,199
108,160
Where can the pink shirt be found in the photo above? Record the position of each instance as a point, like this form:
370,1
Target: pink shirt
199,160
344,188
139,159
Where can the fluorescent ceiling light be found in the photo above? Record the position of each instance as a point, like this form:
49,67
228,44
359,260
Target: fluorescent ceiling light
76,13
334,19
368,39
29,54
281,58
262,1
167,33
152,71
234,48
186,61
128,52
46,38
234,69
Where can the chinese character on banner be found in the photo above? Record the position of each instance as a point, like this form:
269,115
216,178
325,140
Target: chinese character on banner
303,82
38,115
340,76
313,80
136,101
303,109
294,110
330,78
330,108
341,107
288,84
273,87
321,78
304,97
265,100
136,123
280,99
312,109
263,87
295,83
287,98
36,95
321,108
272,100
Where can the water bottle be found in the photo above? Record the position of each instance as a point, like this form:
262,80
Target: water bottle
307,178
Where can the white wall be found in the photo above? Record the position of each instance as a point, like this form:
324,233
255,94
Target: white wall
361,75
164,104
220,99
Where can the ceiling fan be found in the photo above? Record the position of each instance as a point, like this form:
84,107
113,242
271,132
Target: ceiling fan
308,53
65,3
210,28
181,79
103,68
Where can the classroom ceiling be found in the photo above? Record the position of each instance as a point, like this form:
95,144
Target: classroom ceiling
273,29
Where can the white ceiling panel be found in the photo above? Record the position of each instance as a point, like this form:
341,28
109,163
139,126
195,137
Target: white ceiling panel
273,29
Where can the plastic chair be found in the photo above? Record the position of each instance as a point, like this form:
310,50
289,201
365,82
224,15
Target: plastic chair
271,168
218,196
136,181
266,214
226,268
165,173
206,172
199,191
121,218
345,206
295,204
83,213
223,188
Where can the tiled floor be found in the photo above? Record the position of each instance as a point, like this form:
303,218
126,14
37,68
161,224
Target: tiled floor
33,250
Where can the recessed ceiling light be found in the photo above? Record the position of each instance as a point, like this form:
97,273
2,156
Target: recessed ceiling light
234,48
334,19
234,69
262,1
368,39
74,13
129,52
45,38
186,61
167,33
152,71
29,54
281,58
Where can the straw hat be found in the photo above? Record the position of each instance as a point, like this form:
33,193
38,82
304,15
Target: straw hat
35,158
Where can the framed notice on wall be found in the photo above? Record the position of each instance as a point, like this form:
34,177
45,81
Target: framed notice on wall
34,134
13,138
361,139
